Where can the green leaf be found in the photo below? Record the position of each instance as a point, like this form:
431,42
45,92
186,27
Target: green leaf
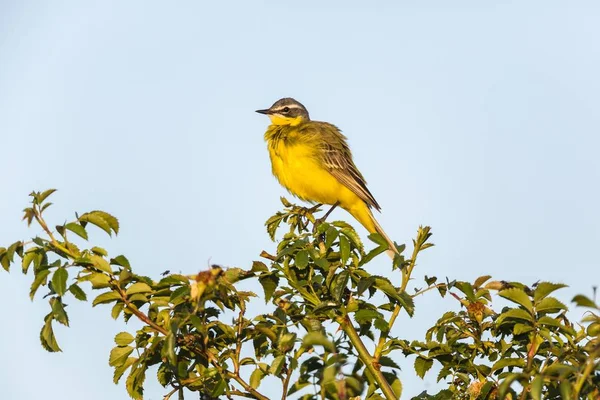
43,196
135,381
583,301
100,263
258,266
269,283
58,311
543,289
514,313
169,349
256,377
97,279
106,297
508,362
536,387
47,336
59,281
366,315
40,279
481,280
121,261
506,383
99,251
123,338
27,259
317,338
566,389
77,229
422,365
520,329
301,259
138,287
339,284
77,292
119,371
277,365
518,296
550,305
118,355
344,249
102,220
116,310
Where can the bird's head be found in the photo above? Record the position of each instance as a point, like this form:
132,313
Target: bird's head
286,111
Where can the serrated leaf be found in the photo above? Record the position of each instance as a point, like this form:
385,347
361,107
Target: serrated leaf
566,389
77,292
44,195
255,378
77,229
543,289
536,387
301,259
366,315
277,365
47,336
100,263
422,365
59,281
58,311
481,280
99,251
584,301
102,220
27,260
550,305
514,313
520,329
138,287
121,261
116,310
344,249
258,266
317,338
119,371
269,283
40,278
339,285
106,297
508,362
518,296
124,338
118,355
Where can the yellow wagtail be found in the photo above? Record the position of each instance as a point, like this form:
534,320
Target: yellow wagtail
312,160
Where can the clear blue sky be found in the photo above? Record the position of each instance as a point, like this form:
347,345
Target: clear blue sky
480,119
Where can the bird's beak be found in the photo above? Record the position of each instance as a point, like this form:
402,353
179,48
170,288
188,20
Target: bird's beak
267,111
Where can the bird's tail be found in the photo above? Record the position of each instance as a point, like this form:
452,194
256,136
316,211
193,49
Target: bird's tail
364,215
392,251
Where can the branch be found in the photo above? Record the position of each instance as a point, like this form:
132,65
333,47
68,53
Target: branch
405,278
365,357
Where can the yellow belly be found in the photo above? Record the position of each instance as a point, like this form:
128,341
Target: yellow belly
297,170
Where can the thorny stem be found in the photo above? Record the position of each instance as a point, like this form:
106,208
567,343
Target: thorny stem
365,357
405,278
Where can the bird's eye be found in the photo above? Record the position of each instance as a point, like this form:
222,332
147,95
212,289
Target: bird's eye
286,109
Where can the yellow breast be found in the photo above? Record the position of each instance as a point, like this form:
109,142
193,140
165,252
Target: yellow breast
296,167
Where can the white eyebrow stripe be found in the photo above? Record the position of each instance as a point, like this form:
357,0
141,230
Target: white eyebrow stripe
290,107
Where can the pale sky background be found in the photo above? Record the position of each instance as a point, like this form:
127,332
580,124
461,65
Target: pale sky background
477,118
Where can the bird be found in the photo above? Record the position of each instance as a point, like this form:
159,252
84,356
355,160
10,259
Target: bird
313,161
